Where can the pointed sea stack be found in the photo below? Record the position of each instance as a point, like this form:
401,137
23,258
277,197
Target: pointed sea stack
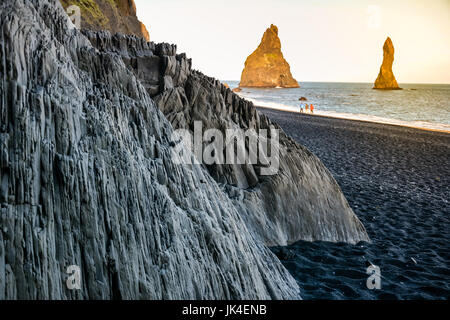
266,66
386,79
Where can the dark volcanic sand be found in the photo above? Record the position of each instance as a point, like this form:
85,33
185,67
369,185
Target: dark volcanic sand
397,180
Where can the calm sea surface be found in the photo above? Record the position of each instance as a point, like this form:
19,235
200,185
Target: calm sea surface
419,105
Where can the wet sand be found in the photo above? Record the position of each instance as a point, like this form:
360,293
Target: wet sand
397,180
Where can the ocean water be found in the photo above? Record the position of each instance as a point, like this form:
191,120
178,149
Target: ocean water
417,105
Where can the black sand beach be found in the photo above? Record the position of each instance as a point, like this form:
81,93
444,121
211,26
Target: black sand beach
397,180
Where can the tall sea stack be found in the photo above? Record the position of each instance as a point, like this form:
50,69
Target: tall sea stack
386,79
266,66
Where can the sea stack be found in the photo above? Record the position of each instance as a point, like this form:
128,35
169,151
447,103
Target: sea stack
118,16
266,66
386,79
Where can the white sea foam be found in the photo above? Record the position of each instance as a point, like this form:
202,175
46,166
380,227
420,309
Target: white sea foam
350,116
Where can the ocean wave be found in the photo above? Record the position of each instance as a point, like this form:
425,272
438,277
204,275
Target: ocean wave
353,116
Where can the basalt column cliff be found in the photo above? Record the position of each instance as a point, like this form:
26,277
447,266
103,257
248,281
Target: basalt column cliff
386,79
89,178
266,66
302,201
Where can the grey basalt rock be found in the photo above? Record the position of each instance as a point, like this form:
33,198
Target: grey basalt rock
87,176
301,202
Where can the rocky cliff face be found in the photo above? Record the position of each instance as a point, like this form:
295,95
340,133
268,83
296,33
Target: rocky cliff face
301,202
114,15
88,180
88,177
386,79
266,66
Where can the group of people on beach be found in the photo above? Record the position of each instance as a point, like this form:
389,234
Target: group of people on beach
306,108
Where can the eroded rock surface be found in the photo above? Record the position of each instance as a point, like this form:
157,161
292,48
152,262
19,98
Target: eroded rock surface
301,202
87,179
386,79
266,66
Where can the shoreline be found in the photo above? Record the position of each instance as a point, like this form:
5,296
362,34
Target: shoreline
353,117
396,180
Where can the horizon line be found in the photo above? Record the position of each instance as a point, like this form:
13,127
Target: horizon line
435,83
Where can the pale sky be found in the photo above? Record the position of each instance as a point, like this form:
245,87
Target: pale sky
323,40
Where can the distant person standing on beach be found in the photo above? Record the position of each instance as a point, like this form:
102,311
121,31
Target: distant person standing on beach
312,108
307,107
301,108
